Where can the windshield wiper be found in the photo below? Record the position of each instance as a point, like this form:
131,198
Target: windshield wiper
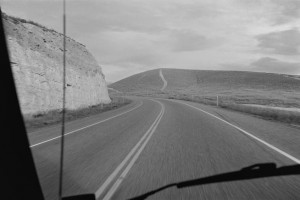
252,172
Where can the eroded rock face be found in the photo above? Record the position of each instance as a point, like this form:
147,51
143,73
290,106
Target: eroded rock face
36,54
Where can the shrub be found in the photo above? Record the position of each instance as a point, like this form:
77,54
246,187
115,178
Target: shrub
229,103
54,116
269,113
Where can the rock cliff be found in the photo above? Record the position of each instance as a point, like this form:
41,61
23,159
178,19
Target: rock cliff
36,55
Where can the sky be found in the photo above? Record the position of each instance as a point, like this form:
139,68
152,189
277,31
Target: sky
130,36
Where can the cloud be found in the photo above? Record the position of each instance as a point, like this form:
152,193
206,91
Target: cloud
282,42
186,40
124,48
130,36
116,15
277,12
267,64
287,10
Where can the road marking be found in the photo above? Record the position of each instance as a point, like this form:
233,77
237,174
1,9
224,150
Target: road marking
129,166
247,133
74,131
141,145
163,79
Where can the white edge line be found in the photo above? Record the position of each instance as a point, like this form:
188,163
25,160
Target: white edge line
108,181
88,125
245,132
112,190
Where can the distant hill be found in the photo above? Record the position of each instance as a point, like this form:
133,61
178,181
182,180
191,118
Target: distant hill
239,85
148,80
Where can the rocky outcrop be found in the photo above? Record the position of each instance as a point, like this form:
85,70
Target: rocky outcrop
36,55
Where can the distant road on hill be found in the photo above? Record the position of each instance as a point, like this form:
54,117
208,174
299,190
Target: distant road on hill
163,79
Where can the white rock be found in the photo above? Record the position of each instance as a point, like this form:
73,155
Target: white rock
36,54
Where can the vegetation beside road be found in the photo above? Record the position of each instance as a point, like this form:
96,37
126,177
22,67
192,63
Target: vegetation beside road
240,104
54,117
235,89
292,117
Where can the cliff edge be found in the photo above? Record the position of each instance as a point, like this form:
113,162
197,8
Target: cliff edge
36,55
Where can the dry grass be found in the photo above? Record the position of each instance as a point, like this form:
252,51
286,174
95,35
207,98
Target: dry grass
237,103
17,20
234,89
53,117
292,117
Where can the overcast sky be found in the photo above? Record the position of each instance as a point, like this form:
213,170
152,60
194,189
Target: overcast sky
130,36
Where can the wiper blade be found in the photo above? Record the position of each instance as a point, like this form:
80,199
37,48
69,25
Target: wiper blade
251,172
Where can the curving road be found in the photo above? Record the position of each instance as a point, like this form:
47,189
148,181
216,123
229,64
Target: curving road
163,79
162,149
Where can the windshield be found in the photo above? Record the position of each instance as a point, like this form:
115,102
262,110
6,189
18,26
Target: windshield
159,99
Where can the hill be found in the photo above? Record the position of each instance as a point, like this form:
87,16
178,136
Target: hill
36,55
231,86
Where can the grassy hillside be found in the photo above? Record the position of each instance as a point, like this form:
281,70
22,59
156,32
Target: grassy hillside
142,82
239,87
234,89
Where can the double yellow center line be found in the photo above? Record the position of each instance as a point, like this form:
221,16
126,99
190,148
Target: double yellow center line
112,183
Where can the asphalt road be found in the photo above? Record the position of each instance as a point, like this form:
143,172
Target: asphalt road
161,149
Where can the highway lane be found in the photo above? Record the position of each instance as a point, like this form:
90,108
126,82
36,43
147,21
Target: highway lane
185,144
281,135
92,154
53,131
189,144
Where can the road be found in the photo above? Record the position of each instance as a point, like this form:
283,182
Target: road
151,143
163,79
